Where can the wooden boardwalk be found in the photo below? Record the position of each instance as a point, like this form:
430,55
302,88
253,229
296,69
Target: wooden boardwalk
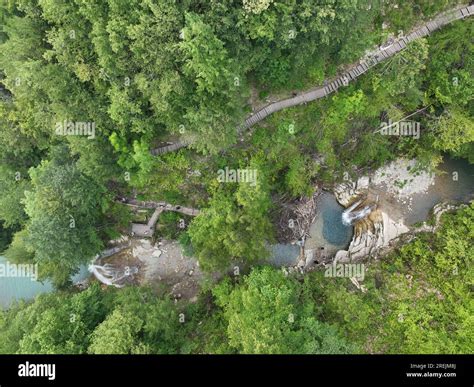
169,148
372,59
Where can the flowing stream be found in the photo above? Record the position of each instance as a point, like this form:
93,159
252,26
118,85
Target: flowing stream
328,230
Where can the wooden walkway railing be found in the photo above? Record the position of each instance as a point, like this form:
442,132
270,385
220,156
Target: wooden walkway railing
371,60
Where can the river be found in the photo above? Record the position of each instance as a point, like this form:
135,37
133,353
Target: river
16,288
327,230
454,182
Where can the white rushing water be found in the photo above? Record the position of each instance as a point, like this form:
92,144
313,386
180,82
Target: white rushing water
110,275
349,216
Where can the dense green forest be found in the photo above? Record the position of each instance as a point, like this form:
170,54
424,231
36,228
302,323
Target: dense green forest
142,73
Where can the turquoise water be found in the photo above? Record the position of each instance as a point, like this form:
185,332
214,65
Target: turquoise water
14,289
328,231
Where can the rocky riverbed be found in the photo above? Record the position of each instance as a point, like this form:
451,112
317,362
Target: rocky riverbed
396,191
392,193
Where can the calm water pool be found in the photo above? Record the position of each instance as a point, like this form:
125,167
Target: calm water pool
328,231
459,189
12,289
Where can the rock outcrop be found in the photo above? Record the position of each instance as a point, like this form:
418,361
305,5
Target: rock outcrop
371,235
348,192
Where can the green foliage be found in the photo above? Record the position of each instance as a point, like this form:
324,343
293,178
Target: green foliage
267,314
342,109
372,148
53,324
234,227
299,176
6,236
403,14
92,321
417,300
427,302
401,75
214,113
64,208
117,335
450,65
171,225
19,251
13,184
454,133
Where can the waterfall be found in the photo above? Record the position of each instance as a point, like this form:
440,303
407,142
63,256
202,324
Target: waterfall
110,275
349,216
104,275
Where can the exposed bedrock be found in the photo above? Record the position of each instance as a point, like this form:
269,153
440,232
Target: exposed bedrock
373,228
371,234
